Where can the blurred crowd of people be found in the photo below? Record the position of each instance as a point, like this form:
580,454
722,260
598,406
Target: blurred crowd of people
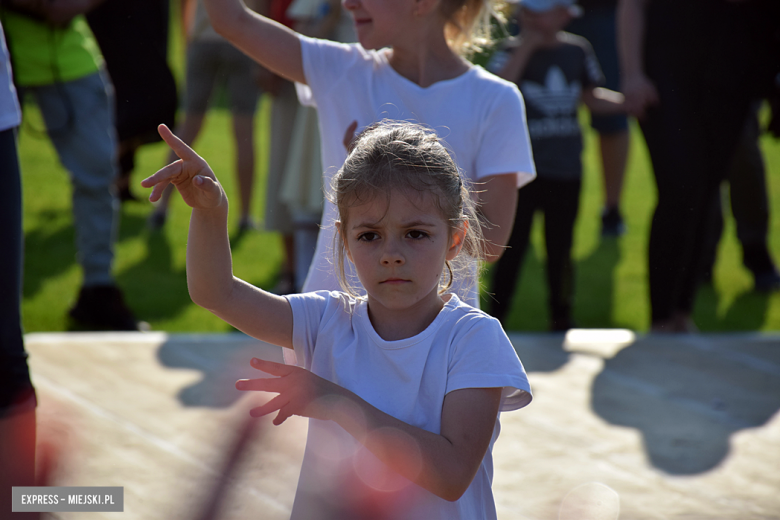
696,92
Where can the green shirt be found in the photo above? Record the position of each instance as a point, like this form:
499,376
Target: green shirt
44,55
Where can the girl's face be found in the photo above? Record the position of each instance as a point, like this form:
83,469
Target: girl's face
399,248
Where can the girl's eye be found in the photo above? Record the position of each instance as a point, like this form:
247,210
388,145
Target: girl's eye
417,234
368,237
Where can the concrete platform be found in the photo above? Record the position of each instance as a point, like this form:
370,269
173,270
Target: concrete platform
654,427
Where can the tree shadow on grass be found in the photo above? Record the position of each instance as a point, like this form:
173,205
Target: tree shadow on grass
688,394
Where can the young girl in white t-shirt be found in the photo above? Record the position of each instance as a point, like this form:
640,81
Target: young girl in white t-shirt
403,386
408,65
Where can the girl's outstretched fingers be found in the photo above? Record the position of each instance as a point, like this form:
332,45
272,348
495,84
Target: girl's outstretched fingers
191,175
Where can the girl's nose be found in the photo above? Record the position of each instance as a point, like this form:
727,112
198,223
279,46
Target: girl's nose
350,5
392,256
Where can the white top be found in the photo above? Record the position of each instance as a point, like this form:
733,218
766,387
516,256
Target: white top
480,117
10,113
408,379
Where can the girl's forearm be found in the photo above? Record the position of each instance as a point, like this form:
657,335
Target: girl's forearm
429,460
209,262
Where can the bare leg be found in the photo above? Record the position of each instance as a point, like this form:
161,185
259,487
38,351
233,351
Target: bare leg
243,130
614,156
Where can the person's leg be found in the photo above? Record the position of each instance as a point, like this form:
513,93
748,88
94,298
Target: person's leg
597,25
614,157
17,395
507,269
676,146
244,94
243,130
79,120
750,205
712,239
561,201
277,215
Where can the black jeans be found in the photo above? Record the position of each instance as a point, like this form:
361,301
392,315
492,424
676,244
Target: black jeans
15,385
559,202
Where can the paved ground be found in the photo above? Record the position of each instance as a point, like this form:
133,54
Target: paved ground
653,427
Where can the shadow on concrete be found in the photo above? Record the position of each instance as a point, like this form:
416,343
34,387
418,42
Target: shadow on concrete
540,352
221,363
688,395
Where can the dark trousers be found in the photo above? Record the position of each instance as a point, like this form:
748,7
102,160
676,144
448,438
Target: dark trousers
691,136
15,386
559,202
708,61
749,203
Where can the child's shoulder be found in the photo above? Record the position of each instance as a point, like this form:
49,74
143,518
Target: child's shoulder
461,314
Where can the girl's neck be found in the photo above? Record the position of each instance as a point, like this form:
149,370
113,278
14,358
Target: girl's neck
427,60
395,325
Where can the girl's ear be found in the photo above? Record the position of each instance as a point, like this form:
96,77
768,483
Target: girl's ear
343,240
457,240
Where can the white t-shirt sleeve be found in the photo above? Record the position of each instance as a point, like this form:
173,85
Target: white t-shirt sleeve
324,62
505,145
483,357
309,311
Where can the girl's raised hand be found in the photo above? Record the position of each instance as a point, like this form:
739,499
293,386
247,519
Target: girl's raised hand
191,175
300,392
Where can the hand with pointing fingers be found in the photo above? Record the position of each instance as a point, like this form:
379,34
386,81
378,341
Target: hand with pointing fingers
300,392
191,175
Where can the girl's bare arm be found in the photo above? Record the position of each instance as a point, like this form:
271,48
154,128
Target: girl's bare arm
271,44
210,277
497,196
443,463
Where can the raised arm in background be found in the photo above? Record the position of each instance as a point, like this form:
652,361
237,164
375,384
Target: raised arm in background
271,44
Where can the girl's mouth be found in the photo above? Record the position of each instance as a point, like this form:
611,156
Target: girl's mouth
394,281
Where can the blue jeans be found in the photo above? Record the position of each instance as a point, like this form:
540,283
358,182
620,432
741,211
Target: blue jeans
80,122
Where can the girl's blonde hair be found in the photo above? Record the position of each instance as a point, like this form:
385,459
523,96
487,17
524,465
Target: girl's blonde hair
399,155
468,29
